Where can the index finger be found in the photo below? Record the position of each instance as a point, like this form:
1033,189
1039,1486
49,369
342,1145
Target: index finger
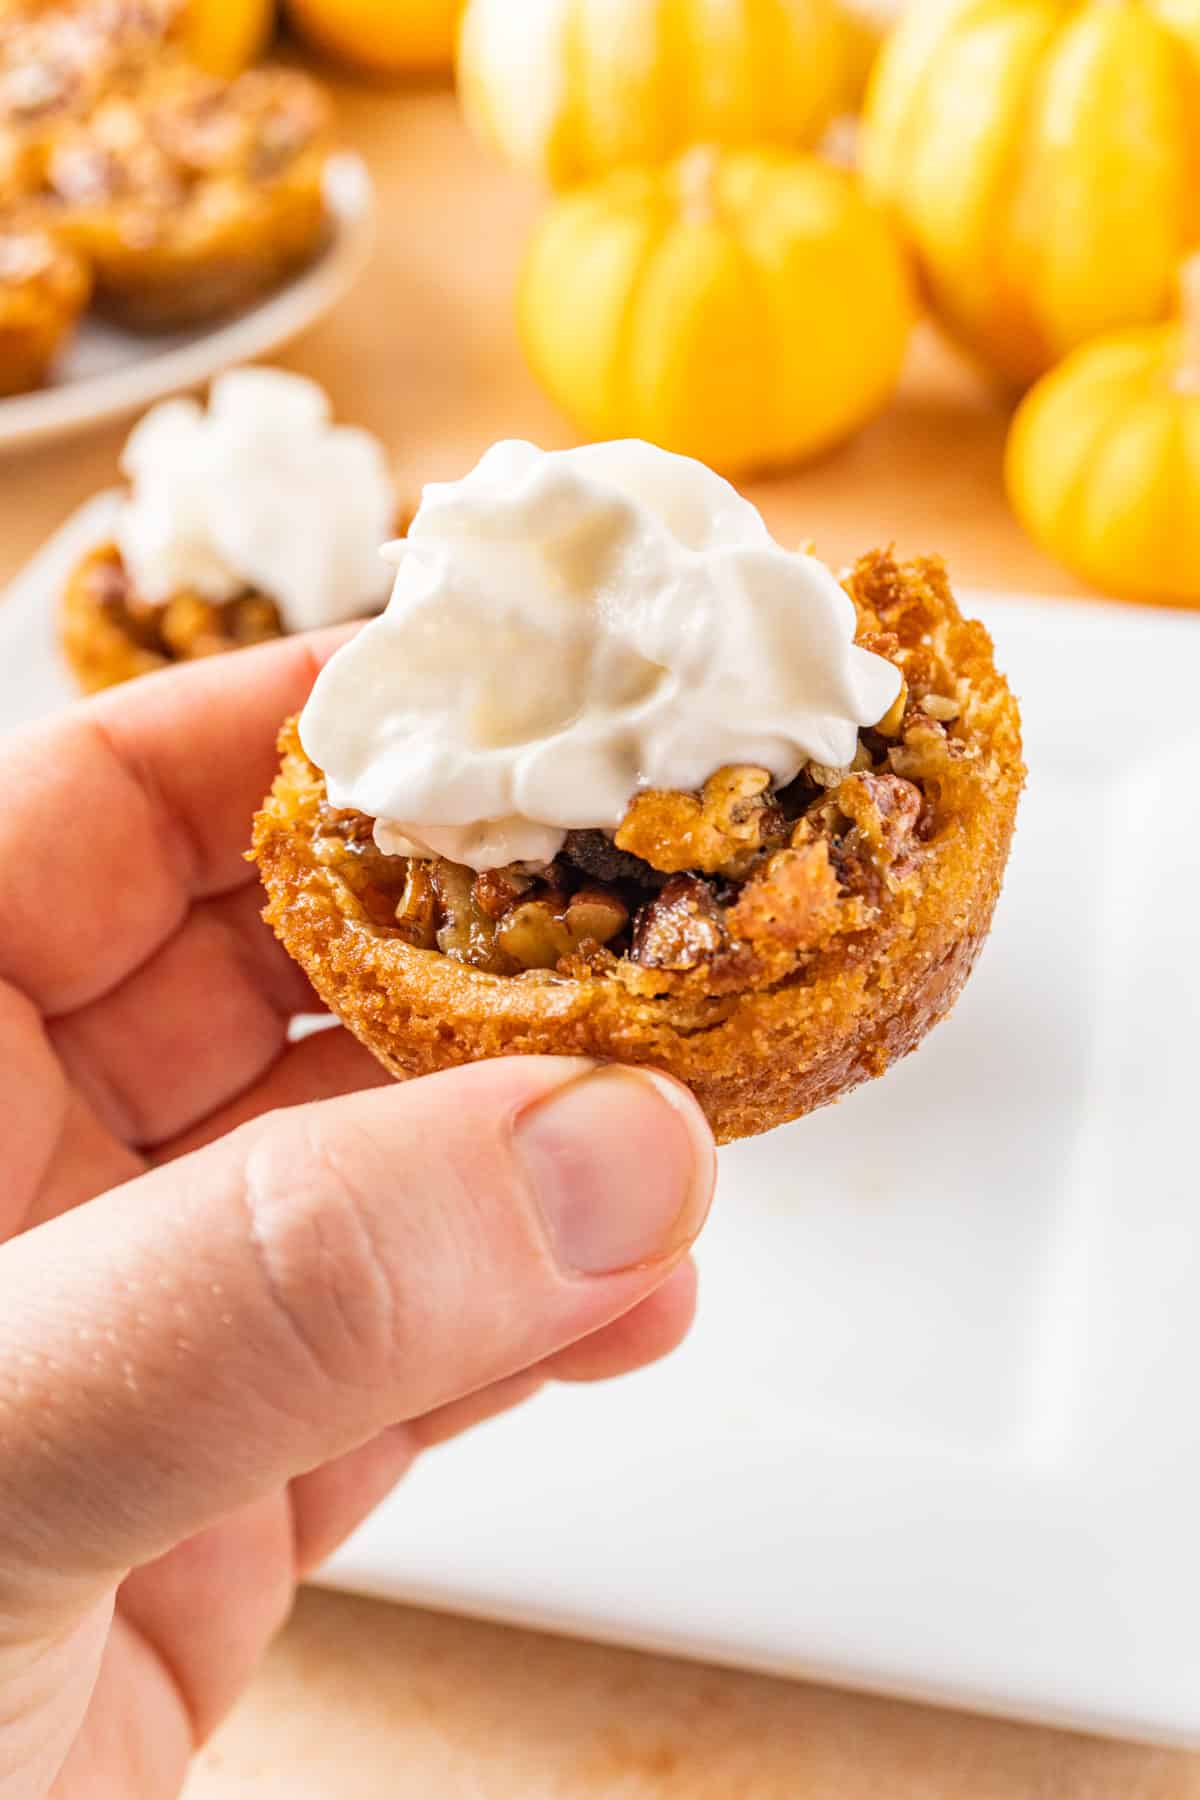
124,810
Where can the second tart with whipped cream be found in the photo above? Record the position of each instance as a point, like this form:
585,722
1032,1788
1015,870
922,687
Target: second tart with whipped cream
616,775
250,519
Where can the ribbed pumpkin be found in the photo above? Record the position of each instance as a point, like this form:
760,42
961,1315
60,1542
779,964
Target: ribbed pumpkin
865,24
748,308
385,37
1103,461
573,88
1043,159
225,36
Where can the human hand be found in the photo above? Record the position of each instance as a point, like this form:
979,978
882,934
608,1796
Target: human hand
244,1283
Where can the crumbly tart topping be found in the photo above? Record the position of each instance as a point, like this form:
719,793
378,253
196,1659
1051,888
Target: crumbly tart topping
184,143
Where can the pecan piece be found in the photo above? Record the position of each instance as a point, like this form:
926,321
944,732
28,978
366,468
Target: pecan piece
191,627
539,933
825,775
464,930
416,909
884,810
498,889
719,831
351,827
892,722
681,928
926,750
252,620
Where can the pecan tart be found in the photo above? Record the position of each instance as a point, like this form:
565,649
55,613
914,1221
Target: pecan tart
57,62
109,634
250,518
191,197
770,947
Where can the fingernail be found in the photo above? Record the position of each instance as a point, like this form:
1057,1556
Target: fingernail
622,1164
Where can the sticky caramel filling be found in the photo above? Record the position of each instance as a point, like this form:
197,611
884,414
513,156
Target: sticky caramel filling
183,628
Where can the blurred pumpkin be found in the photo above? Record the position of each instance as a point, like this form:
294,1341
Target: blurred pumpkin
384,37
226,36
573,88
745,307
1103,460
865,24
1041,156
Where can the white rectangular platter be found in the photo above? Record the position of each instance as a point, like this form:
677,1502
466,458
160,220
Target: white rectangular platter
936,1431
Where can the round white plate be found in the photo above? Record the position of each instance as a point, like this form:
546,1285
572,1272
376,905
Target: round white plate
106,373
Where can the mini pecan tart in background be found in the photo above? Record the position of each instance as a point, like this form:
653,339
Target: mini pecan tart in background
58,61
189,196
249,521
772,936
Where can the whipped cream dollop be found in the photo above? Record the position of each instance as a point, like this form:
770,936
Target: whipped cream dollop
263,491
570,627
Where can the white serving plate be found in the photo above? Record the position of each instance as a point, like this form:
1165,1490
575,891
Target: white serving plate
936,1430
106,373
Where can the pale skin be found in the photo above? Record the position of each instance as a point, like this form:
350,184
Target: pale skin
244,1284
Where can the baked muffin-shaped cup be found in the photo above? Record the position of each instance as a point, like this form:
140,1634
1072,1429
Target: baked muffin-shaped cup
193,197
771,950
109,635
44,288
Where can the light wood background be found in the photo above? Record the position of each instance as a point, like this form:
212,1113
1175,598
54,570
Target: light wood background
368,1702
425,353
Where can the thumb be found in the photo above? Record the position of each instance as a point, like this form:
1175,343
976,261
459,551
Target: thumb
199,1337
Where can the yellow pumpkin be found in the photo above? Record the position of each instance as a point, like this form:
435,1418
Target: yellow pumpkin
865,24
383,37
748,308
573,88
1042,157
1103,461
226,36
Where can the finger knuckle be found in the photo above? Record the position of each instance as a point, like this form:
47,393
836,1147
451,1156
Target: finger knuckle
314,1236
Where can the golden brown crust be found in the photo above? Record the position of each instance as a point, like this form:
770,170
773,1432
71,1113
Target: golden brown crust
44,287
755,1055
718,831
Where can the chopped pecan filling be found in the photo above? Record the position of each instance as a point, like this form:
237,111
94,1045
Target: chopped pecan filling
186,626
736,884
682,928
747,875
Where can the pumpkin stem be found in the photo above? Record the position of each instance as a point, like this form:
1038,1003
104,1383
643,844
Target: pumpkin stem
1187,374
698,185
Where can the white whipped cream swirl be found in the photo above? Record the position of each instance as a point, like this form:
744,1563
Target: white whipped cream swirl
570,627
260,491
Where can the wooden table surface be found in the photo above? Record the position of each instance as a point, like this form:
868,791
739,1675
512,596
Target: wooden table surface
368,1702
